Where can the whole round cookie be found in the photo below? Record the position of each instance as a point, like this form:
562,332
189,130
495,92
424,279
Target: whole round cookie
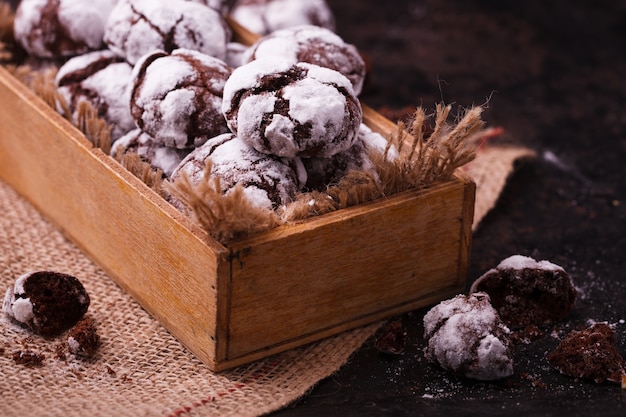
268,181
315,45
265,16
60,28
138,27
527,292
150,151
465,336
292,109
102,79
46,302
177,97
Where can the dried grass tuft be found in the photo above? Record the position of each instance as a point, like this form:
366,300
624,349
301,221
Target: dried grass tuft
225,216
429,155
150,176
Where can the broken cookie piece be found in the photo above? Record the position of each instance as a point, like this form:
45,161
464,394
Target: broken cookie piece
591,354
83,339
528,292
46,302
465,335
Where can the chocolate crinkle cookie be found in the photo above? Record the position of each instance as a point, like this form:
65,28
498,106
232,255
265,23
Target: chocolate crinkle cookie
138,27
150,151
61,28
177,97
528,292
322,172
465,336
265,16
46,302
102,79
591,354
315,45
268,181
292,109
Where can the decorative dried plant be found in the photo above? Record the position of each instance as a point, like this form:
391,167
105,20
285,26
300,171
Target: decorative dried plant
428,159
225,216
150,176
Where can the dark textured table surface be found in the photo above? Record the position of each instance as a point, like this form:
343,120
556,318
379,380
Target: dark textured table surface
551,74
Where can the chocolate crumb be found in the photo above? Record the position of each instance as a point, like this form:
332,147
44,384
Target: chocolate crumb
392,338
28,358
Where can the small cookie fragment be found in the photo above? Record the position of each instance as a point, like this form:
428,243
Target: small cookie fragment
315,45
28,358
591,354
46,302
61,28
265,16
177,98
83,339
528,292
139,27
268,181
465,336
292,109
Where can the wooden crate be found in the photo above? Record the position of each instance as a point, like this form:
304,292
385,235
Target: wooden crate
261,295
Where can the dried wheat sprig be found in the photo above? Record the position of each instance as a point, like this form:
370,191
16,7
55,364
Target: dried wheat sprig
225,216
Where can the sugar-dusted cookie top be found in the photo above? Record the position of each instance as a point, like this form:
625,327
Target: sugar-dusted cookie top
292,109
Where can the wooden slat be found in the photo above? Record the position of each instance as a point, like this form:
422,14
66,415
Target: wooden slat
343,269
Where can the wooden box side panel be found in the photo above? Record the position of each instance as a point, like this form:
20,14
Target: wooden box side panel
347,269
125,227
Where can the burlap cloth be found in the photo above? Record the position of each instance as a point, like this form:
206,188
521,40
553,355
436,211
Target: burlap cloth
140,369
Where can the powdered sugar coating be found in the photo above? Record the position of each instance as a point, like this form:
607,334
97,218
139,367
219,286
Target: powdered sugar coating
177,98
265,16
315,45
291,109
138,27
268,181
150,151
219,5
102,79
60,28
465,335
523,262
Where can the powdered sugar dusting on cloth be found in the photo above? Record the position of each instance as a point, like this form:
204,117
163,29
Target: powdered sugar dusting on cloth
465,335
138,27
